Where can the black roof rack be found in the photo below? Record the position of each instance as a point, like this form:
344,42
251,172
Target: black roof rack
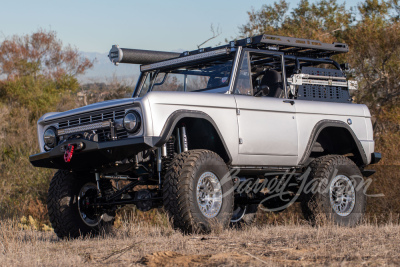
288,45
293,46
297,47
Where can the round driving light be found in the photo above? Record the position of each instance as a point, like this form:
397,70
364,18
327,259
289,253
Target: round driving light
132,121
50,138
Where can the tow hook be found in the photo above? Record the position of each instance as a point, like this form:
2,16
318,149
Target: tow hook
77,146
69,151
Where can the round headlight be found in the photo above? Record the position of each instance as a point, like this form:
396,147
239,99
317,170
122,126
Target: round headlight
49,137
132,121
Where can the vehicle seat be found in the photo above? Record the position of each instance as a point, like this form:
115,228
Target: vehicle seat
273,80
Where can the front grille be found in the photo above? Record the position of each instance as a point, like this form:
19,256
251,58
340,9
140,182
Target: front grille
104,116
103,134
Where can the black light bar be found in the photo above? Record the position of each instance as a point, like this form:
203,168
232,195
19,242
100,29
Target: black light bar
84,128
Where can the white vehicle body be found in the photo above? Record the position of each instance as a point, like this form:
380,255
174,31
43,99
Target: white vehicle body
257,131
272,132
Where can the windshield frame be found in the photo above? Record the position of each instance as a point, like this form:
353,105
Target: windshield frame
223,89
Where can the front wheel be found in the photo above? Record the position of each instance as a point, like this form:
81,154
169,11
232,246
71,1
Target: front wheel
337,191
198,191
68,203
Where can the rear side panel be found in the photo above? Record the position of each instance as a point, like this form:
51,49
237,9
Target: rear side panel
309,113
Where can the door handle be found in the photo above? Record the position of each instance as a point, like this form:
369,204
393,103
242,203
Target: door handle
291,102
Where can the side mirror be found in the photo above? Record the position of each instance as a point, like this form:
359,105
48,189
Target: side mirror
263,90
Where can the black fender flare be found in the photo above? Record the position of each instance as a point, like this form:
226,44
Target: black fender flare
330,123
177,115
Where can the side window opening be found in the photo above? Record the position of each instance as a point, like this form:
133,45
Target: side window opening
171,82
243,83
147,83
260,74
195,77
194,82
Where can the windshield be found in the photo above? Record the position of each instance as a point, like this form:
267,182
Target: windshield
197,76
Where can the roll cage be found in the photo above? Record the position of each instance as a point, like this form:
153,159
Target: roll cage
293,55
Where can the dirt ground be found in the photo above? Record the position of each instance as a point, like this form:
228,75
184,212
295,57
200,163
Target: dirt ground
135,245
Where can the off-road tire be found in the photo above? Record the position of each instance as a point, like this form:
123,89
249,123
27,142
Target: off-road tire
179,191
248,219
316,206
62,205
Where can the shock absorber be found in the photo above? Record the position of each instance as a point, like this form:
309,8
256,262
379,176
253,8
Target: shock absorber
97,175
168,153
184,139
159,166
170,147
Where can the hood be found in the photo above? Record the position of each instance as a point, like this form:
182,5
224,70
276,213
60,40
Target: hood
89,108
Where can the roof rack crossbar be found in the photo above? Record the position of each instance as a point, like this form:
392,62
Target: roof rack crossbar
300,42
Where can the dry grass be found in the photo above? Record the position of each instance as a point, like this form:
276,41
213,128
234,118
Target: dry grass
138,244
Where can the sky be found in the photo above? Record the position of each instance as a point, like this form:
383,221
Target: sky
94,26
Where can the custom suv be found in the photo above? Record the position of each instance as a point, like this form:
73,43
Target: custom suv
210,135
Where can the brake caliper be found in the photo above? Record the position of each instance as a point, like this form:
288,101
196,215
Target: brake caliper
69,151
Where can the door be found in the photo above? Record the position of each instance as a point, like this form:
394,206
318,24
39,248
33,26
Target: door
267,121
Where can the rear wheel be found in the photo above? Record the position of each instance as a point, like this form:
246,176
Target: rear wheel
243,215
338,191
68,203
198,191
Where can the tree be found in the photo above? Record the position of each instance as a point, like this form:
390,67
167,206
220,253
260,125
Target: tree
374,55
40,53
322,20
40,71
268,19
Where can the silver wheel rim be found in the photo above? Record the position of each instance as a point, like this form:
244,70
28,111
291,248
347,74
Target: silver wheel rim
209,194
342,195
88,221
238,214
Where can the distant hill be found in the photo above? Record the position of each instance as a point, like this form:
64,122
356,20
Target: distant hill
104,71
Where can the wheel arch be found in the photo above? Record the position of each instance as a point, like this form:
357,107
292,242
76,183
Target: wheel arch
197,122
334,137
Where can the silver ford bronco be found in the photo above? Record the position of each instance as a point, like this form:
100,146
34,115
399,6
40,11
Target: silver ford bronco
212,135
